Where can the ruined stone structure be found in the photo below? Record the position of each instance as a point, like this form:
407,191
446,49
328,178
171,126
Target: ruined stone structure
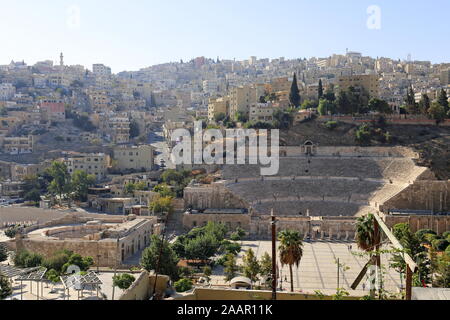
109,241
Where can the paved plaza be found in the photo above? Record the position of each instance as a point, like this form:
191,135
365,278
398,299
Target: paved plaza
318,269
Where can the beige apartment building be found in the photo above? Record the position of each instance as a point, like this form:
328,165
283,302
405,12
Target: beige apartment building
217,106
139,158
17,145
94,164
21,171
242,97
369,82
262,112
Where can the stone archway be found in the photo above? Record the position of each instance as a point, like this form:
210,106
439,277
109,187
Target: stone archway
309,148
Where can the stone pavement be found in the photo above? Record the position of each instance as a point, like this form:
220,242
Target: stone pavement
318,269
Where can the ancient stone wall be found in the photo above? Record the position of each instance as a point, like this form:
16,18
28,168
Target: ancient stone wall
341,228
427,195
107,249
214,196
233,221
439,224
354,151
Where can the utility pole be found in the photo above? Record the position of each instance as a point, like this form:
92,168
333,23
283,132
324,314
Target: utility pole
159,262
115,268
274,257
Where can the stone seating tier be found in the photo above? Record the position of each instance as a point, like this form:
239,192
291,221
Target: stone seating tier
397,169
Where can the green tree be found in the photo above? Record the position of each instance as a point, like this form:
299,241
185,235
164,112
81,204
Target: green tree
294,95
183,285
326,107
282,120
442,279
424,104
207,272
161,205
230,267
164,190
123,281
291,250
60,183
410,102
365,233
241,117
343,104
379,105
231,247
364,134
329,94
57,261
266,265
134,129
219,117
202,247
168,258
33,195
5,287
437,112
443,100
25,259
129,188
3,254
309,104
320,90
412,246
251,266
81,182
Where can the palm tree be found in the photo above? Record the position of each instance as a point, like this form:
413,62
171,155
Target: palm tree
366,238
365,232
291,250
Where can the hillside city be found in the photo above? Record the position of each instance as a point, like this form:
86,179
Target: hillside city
358,209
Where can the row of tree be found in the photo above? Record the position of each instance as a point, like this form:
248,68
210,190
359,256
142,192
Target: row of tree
57,181
437,109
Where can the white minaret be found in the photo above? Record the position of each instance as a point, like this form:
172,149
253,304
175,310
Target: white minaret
61,60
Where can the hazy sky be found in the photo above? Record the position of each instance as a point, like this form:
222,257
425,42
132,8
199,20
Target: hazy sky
128,35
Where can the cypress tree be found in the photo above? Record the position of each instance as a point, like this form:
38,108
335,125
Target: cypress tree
443,99
294,95
424,104
320,90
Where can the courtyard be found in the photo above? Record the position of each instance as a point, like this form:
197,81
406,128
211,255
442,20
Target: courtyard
318,268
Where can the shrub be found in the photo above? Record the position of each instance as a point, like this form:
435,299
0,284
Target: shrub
420,234
440,244
183,285
53,276
447,250
12,231
123,281
5,287
331,125
363,134
446,235
26,259
3,254
429,238
235,236
56,262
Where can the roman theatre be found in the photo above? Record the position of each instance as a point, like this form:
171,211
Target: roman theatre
320,191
